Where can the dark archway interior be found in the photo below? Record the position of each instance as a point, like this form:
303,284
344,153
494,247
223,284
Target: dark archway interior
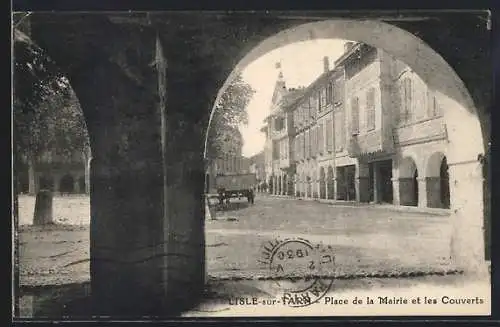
445,184
67,184
46,183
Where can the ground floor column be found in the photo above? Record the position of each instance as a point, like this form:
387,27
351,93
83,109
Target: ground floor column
56,180
31,178
395,191
422,192
76,185
467,207
87,175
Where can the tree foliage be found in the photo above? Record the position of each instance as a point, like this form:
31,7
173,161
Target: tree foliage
224,137
46,114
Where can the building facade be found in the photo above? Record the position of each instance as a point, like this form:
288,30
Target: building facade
368,130
279,145
60,174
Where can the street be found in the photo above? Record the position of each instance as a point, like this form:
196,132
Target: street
364,240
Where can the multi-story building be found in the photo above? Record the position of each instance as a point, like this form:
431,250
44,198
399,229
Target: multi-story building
257,167
279,131
368,130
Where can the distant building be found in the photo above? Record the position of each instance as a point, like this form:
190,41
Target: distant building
62,175
368,130
258,167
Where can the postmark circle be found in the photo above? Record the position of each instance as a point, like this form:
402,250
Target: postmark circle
299,265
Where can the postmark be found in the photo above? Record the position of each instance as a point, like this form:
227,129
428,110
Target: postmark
299,269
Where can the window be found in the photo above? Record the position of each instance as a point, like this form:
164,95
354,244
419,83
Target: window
329,135
307,145
321,144
370,109
355,115
337,93
435,110
329,93
322,98
406,103
339,131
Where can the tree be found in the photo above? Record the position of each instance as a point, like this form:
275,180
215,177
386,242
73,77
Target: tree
224,136
47,118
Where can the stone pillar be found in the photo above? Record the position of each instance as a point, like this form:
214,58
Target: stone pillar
466,200
32,189
422,192
76,185
334,181
56,182
395,191
87,175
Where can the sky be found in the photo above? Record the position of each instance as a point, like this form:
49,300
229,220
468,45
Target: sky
301,64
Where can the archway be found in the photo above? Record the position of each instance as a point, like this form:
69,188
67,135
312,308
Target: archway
46,183
330,184
279,186
438,181
408,182
415,53
460,112
322,183
66,185
270,185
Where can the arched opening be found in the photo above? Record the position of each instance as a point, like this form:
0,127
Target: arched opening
46,183
382,35
66,185
445,184
278,191
270,185
285,185
322,183
330,184
408,182
438,181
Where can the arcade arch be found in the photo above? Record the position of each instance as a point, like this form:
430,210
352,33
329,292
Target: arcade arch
459,113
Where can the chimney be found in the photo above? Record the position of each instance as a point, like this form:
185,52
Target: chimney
348,46
326,64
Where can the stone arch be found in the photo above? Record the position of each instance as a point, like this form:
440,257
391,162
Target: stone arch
408,182
438,181
415,53
322,183
67,184
279,186
330,184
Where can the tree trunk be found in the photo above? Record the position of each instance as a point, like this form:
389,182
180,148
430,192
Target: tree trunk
43,208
